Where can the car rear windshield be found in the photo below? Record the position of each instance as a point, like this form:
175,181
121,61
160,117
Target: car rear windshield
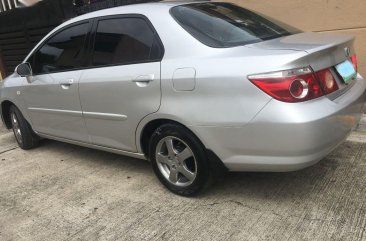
223,25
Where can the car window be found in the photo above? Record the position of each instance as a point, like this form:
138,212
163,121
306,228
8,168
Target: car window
124,41
226,25
61,52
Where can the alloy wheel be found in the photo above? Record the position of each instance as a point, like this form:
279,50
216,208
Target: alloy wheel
16,128
176,161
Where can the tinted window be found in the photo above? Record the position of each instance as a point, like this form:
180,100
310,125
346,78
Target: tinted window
61,52
227,25
123,41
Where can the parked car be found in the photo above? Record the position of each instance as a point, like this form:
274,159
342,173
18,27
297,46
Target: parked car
196,88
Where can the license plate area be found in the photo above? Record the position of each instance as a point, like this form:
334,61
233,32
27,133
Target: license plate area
346,71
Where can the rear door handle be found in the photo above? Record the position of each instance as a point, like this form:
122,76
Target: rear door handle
144,78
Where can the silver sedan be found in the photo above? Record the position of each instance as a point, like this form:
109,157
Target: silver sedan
196,88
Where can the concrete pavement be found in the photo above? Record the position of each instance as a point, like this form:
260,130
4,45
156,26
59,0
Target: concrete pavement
64,192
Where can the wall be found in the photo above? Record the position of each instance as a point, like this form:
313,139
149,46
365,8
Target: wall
338,16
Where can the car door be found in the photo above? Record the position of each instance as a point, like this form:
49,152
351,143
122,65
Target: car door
122,85
51,93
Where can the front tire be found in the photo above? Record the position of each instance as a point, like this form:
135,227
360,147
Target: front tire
179,160
23,132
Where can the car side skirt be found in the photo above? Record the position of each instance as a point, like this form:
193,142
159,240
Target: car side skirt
88,145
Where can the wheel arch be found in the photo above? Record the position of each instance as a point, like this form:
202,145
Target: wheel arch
216,165
5,113
147,131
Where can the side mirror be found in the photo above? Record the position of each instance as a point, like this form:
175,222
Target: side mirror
24,70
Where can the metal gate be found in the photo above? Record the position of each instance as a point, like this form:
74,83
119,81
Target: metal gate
22,28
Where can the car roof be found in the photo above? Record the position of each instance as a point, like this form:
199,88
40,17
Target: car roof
135,9
151,10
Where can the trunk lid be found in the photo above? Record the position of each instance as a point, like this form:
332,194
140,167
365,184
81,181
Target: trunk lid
324,49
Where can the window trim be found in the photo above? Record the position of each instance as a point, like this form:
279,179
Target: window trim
84,49
216,3
90,39
123,16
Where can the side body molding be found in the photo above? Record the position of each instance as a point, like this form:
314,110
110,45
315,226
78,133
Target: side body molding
97,115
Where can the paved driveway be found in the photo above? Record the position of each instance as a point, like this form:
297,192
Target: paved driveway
65,192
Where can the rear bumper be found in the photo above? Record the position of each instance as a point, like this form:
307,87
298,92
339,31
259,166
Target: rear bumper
287,137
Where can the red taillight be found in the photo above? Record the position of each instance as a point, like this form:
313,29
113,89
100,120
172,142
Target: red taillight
289,86
327,81
354,61
296,85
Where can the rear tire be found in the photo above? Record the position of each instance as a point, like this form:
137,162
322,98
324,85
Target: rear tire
23,132
179,160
